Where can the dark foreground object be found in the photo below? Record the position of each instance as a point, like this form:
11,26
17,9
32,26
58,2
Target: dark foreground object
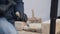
53,16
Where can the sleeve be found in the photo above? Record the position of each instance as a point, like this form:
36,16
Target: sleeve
19,6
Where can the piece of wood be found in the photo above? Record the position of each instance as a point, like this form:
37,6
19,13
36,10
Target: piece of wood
19,25
26,32
33,27
46,26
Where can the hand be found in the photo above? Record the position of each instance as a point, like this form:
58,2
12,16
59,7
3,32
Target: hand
17,14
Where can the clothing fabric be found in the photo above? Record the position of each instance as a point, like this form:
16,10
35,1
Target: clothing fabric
6,27
10,14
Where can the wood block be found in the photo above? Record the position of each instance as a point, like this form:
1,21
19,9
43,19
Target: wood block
19,25
34,27
46,26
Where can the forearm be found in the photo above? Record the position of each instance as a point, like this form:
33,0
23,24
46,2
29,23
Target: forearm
19,6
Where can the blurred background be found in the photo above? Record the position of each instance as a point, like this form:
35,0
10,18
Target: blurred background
41,8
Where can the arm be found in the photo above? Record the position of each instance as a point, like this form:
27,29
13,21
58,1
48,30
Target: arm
19,6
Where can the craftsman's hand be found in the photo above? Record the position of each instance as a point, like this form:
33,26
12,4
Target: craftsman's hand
17,14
